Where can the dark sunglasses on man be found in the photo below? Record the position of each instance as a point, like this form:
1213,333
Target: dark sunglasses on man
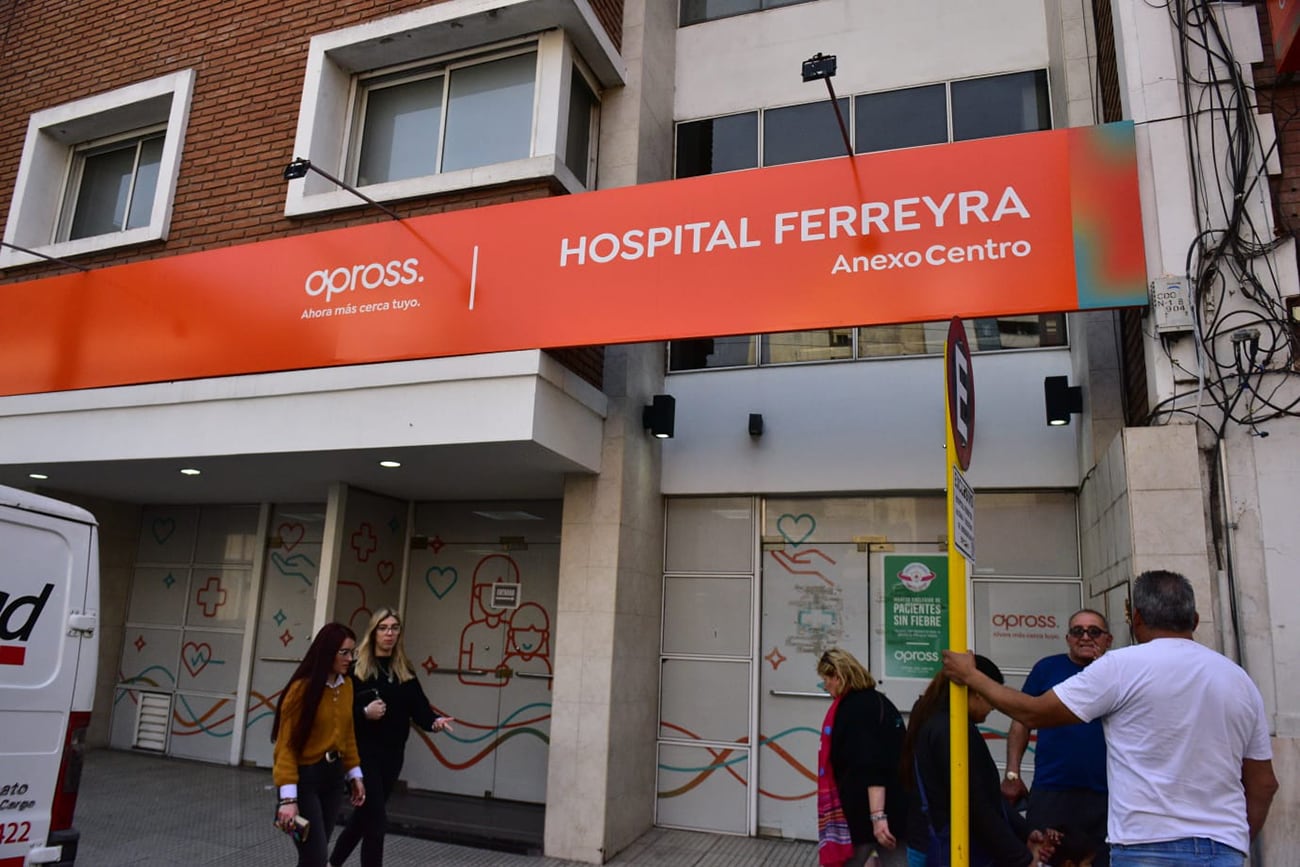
1093,632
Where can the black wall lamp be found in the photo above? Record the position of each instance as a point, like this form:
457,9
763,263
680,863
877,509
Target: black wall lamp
300,167
659,415
821,67
756,424
1061,399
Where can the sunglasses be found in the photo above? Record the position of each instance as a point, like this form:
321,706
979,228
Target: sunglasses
1093,632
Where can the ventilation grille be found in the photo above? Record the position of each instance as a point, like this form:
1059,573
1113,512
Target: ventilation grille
151,724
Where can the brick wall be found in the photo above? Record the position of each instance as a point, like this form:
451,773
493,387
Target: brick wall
250,59
1279,95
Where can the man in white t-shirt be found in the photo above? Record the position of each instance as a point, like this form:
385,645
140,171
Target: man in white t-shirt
1188,759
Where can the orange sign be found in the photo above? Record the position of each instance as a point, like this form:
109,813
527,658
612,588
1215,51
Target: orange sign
1284,20
1032,223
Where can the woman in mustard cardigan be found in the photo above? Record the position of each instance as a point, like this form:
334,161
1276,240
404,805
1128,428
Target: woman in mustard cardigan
315,744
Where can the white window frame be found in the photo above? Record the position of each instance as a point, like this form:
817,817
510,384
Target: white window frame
54,134
564,31
443,68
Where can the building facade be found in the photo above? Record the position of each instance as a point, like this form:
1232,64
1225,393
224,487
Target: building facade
276,389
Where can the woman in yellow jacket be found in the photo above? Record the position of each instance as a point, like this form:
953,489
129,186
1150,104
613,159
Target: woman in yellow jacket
315,745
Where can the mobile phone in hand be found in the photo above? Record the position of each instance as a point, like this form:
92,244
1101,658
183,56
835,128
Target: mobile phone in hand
299,828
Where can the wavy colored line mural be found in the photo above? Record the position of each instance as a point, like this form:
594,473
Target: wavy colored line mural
511,726
724,760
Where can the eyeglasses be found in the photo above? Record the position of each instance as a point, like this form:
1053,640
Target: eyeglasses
350,653
393,628
1093,632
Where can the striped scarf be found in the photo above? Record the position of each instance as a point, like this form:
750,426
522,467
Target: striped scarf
834,845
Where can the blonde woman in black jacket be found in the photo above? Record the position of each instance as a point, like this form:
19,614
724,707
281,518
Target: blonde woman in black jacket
388,698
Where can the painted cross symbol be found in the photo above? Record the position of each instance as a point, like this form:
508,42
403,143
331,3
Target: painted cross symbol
364,542
820,619
211,597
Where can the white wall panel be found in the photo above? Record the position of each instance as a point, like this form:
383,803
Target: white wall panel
749,61
864,426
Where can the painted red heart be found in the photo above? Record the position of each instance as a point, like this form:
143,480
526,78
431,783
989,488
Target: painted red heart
291,535
385,569
195,657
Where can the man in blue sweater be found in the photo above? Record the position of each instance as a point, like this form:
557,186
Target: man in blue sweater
1070,761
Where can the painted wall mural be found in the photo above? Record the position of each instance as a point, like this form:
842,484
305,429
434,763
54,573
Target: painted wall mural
479,621
184,625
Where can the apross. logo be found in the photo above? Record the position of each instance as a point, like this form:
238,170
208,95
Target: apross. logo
18,618
916,577
367,275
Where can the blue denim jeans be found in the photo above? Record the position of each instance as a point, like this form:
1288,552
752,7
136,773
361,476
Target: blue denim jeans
1187,852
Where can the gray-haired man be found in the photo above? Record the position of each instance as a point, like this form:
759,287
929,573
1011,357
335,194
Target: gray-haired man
1188,758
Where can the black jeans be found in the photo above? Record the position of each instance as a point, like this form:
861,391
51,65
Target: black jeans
370,820
320,794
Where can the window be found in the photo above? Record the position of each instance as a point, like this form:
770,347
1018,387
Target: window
872,341
501,101
100,172
924,115
719,144
798,133
403,132
695,11
579,155
1000,105
111,187
901,118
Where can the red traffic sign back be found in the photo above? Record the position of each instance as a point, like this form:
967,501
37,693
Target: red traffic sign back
960,383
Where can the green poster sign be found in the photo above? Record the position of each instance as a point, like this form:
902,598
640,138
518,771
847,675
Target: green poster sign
916,614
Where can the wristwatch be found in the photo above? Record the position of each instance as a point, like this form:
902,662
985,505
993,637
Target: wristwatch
1012,776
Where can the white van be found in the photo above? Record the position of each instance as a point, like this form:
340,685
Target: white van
49,649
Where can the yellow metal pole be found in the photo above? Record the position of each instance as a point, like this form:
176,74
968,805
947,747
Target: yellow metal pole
959,743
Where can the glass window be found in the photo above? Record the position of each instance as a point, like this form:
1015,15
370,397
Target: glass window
802,132
695,11
719,144
985,335
901,118
1017,332
490,113
821,345
709,535
488,108
1031,534
913,338
114,187
582,118
400,130
1000,105
99,173
711,352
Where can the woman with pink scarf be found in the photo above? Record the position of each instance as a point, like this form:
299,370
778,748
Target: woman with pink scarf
860,803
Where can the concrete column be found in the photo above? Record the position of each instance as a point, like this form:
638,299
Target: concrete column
601,775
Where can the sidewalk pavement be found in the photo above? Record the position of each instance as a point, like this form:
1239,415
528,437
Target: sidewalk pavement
146,811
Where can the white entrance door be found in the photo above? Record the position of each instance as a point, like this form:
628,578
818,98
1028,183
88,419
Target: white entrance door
479,626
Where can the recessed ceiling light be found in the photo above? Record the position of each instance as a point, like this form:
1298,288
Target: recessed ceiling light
390,464
189,471
38,476
508,516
